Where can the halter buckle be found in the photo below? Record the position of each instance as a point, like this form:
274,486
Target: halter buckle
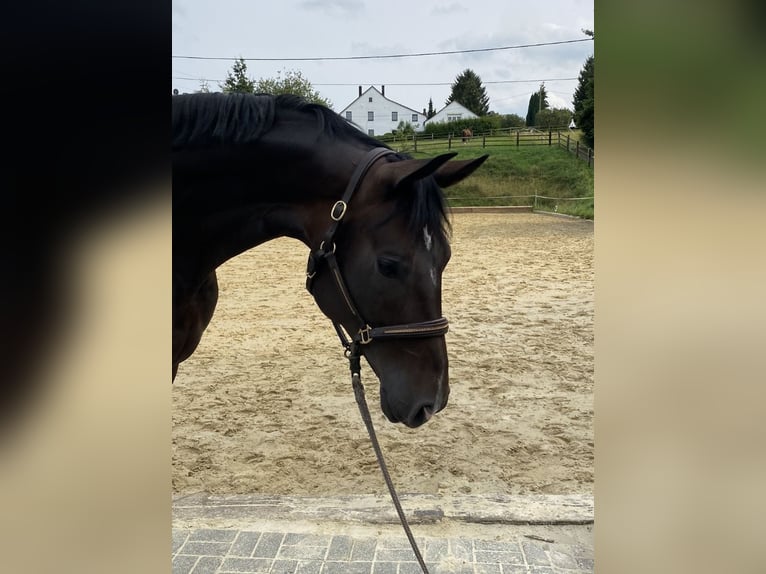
334,215
365,335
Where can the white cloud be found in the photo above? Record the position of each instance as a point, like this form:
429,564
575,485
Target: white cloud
346,8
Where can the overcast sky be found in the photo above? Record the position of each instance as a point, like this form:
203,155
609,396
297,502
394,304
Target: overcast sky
344,28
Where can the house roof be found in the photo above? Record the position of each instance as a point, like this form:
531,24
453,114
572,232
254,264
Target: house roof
379,93
451,106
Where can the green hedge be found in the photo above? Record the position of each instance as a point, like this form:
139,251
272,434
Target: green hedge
476,125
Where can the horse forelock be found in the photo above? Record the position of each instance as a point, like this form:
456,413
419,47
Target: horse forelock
429,210
426,207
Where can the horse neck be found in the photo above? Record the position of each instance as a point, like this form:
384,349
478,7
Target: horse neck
259,194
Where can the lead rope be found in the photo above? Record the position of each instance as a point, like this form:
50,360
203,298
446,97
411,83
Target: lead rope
353,355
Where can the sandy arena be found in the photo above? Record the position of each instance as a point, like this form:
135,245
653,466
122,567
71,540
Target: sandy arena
265,404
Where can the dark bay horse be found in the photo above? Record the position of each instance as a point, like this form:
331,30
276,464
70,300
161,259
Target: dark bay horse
251,168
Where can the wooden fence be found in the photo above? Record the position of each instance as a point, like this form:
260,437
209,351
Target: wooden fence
499,138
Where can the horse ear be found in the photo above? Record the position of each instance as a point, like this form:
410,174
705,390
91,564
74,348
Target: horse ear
409,170
455,171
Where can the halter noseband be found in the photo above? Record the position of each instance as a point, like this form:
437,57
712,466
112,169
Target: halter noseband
326,252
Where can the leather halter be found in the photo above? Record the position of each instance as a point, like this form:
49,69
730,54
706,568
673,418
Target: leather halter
326,253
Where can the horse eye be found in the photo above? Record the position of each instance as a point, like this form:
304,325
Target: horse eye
388,267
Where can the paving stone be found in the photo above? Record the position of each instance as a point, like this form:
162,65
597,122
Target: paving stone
340,548
585,564
395,555
183,564
488,557
535,554
435,550
495,546
306,540
210,535
244,544
309,567
347,567
364,549
302,552
249,565
284,566
461,549
268,545
179,537
205,548
384,568
487,569
410,568
562,560
207,565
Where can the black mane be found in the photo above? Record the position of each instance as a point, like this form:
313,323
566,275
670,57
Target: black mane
234,118
211,119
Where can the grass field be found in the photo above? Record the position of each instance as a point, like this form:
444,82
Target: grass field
514,175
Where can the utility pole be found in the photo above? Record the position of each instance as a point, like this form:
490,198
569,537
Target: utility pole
541,97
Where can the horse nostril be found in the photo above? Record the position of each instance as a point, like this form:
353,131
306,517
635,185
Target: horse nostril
420,416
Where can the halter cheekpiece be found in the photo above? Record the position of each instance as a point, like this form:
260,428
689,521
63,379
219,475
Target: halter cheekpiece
325,253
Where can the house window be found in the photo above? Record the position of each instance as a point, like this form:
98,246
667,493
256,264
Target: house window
370,132
394,116
348,116
370,99
370,116
453,117
414,117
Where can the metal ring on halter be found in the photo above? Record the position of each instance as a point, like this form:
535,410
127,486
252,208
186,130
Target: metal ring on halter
321,246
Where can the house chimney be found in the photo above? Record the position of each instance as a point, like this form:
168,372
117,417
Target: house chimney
360,90
383,91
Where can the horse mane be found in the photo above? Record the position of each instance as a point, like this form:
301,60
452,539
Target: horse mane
209,119
212,119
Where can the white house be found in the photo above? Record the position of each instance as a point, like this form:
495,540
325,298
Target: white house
450,113
373,113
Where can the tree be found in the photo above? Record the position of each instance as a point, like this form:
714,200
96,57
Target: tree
468,91
552,118
537,102
293,82
511,121
204,88
431,111
237,80
584,102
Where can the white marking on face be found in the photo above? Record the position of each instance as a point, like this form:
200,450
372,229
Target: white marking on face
433,276
427,238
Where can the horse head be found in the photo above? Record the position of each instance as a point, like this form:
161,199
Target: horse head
391,250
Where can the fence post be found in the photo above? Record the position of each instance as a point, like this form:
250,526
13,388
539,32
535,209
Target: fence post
567,142
415,141
517,137
483,141
590,157
577,149
449,142
550,136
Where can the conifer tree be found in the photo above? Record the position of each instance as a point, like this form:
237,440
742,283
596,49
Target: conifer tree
468,91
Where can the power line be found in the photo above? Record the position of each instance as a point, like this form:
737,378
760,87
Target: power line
397,84
388,56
